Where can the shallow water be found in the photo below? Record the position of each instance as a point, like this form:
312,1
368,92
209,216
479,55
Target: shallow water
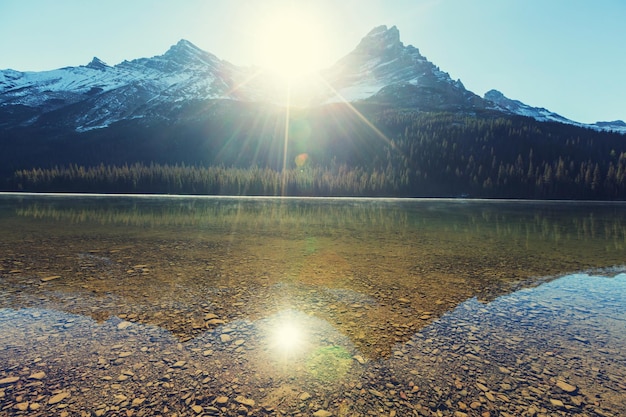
218,306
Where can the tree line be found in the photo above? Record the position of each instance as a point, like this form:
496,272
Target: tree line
505,158
397,153
183,179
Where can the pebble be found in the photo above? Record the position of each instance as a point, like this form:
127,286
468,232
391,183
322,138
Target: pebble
123,325
376,393
304,396
120,398
179,364
21,406
482,387
557,403
58,397
9,380
137,402
225,338
569,388
359,359
221,400
245,401
37,375
50,278
322,413
197,409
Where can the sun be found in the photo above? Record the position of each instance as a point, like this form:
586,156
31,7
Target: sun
290,43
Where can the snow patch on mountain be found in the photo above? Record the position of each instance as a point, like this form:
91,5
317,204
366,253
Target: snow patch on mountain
502,103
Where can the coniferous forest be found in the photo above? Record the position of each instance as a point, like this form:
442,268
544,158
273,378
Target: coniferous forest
330,151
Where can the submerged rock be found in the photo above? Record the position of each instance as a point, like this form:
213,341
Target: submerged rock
569,388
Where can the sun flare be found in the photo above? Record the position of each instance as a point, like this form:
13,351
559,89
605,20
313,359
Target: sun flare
287,337
290,43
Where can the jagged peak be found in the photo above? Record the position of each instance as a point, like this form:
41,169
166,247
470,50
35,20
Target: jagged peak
380,38
184,43
184,51
377,30
183,46
493,95
500,99
97,63
382,31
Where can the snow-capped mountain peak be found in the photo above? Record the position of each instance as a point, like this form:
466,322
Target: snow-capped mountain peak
383,69
185,52
379,39
97,63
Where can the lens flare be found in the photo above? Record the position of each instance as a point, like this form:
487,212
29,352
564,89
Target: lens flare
301,160
287,337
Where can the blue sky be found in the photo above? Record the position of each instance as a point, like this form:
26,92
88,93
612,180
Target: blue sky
566,55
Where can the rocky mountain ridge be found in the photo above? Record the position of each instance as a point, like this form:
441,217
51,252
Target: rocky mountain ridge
381,69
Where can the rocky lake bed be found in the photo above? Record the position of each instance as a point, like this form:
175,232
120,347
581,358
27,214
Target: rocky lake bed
231,307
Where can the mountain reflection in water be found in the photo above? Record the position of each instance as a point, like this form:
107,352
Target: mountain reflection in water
272,299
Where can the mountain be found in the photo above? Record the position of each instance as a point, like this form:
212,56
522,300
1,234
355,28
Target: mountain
96,95
505,104
380,70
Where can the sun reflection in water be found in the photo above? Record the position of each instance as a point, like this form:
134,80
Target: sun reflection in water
304,346
287,337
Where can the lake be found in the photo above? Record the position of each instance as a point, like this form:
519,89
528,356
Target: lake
202,306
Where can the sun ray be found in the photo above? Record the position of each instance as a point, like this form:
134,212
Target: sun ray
286,141
358,113
256,74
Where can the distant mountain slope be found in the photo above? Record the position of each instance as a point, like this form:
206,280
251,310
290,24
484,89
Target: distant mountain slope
505,104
